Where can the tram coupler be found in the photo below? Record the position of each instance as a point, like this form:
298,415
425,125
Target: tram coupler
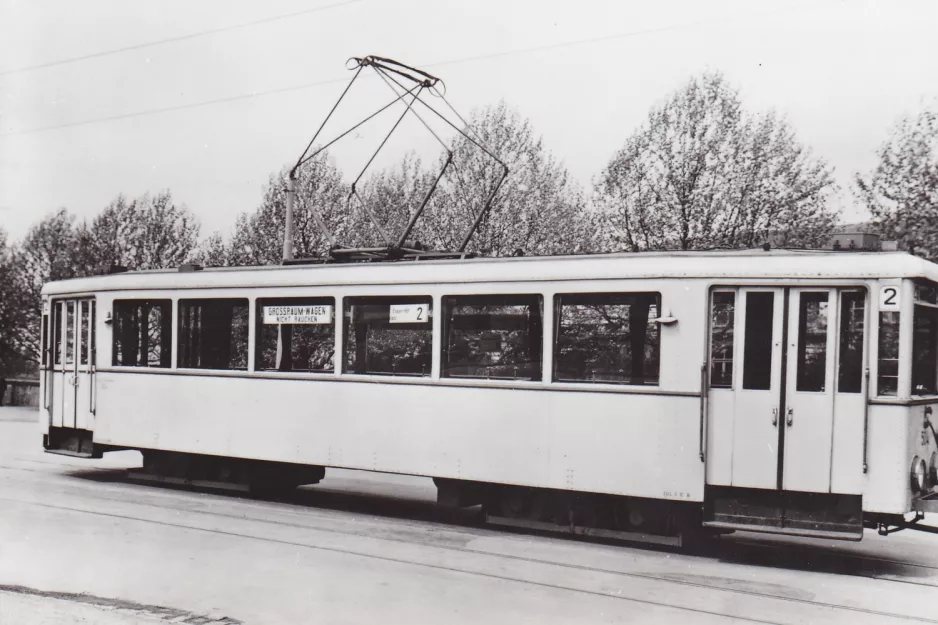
893,526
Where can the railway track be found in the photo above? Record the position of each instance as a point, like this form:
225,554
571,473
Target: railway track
494,564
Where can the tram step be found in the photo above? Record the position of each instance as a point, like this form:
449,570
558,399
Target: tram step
816,515
788,531
71,442
180,481
73,454
584,531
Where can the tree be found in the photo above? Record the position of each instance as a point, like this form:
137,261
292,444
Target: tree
142,233
211,252
45,254
703,173
11,310
902,190
538,209
258,237
393,195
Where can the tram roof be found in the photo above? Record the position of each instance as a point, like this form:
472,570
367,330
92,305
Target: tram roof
740,264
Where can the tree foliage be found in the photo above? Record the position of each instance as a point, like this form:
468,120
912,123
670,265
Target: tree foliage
703,173
258,237
393,195
141,233
538,209
12,311
45,254
902,190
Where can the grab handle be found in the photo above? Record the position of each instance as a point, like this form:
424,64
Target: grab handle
703,410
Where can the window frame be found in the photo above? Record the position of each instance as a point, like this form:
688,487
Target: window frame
757,358
166,330
858,375
806,370
185,353
341,359
297,300
880,335
58,340
557,312
734,340
931,310
504,299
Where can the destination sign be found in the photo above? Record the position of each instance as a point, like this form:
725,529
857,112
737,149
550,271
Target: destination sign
298,315
408,313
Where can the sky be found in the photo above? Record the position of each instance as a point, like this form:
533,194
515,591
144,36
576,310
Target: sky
231,91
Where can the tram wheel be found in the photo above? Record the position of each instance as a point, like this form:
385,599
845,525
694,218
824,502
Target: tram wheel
527,504
637,515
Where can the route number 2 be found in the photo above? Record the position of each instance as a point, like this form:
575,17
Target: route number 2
889,298
408,313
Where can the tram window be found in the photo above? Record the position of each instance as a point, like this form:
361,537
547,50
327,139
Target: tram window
295,334
812,342
57,323
887,376
83,330
722,321
493,336
852,323
925,351
926,292
69,333
142,333
213,334
45,341
607,337
94,349
757,350
388,335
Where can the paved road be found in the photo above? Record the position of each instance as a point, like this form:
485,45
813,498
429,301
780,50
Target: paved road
80,543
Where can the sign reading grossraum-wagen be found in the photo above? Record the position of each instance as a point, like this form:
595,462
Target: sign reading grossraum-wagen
310,315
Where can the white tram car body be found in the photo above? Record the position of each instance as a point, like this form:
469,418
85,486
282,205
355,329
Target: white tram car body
757,415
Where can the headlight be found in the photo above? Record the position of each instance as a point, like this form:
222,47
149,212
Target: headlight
917,480
933,470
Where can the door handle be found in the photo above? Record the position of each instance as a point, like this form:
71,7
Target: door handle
791,417
775,417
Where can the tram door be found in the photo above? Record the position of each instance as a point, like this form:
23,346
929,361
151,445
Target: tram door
772,373
745,380
72,361
809,397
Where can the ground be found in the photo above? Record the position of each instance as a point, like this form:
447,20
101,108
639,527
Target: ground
79,543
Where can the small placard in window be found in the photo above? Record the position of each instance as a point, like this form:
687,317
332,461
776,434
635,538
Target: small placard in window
889,298
490,343
408,313
298,315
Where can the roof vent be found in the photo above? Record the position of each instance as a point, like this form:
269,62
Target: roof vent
115,268
189,268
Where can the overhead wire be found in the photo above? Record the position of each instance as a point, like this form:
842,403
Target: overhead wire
159,42
256,94
168,109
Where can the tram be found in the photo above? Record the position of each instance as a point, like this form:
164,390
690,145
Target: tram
661,395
